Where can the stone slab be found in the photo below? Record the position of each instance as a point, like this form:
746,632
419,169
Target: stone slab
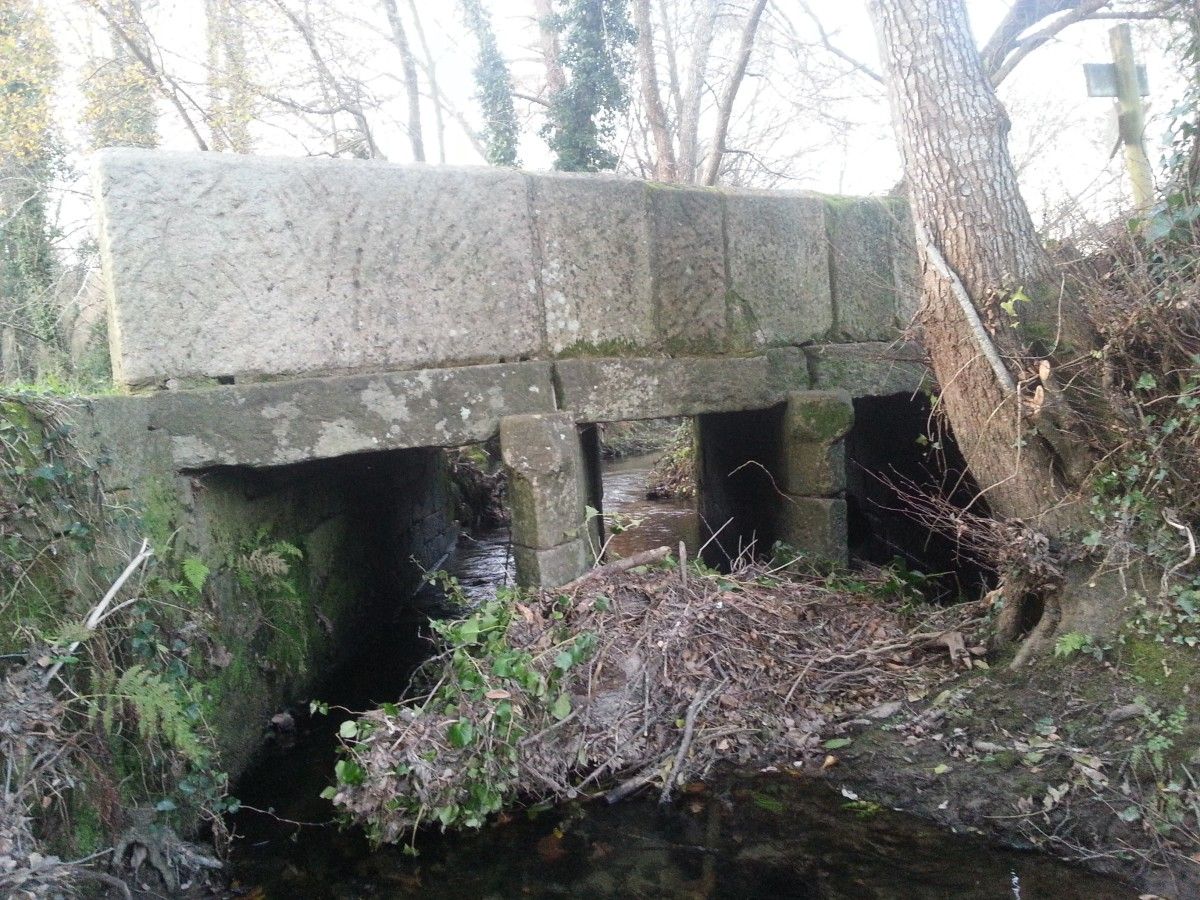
814,470
814,456
862,243
594,262
778,259
907,266
788,369
870,369
550,568
687,245
816,526
614,390
818,417
546,488
318,418
223,265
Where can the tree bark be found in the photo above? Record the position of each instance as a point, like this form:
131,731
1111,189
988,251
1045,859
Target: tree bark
413,89
689,111
968,209
664,163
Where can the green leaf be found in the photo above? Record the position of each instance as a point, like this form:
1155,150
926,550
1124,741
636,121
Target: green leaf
941,769
837,743
1130,814
460,733
767,802
564,661
561,708
349,772
329,793
1146,382
348,729
196,572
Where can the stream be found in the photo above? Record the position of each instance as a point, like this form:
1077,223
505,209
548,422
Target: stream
744,836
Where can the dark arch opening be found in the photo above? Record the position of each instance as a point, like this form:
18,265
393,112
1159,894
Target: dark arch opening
889,456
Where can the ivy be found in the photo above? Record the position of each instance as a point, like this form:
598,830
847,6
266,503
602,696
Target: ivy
493,80
597,43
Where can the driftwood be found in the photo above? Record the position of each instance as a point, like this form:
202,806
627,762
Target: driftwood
645,558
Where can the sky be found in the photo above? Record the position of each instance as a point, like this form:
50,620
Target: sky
1062,141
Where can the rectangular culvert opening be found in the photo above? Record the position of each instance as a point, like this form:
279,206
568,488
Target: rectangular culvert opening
738,496
640,477
323,558
891,461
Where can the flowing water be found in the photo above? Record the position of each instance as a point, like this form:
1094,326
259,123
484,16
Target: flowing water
743,837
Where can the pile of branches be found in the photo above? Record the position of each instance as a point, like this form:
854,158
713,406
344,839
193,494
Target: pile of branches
649,678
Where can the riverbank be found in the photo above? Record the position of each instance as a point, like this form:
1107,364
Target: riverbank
1091,761
850,679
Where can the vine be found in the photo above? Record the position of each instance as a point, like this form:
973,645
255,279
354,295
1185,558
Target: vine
598,38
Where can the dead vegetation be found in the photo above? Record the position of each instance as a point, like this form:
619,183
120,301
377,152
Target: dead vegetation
646,679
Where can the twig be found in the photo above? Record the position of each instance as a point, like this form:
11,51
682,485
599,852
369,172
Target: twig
689,727
97,614
645,558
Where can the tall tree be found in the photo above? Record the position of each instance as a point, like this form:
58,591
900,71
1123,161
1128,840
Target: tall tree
412,88
997,326
597,37
494,86
29,159
651,97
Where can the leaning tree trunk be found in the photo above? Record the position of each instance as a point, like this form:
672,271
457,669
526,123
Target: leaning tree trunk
998,374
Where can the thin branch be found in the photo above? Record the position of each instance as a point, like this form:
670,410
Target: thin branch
166,85
352,106
725,109
836,51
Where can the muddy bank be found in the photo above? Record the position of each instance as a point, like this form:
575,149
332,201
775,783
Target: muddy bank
1091,762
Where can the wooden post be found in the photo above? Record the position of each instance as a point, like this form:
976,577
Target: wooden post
1130,117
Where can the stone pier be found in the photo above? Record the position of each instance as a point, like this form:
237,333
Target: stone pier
813,473
547,488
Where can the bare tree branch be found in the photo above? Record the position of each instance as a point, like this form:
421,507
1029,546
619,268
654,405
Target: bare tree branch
689,113
725,109
166,85
411,87
430,68
350,104
831,48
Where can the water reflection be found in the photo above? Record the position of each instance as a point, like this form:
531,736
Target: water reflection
755,837
744,838
658,522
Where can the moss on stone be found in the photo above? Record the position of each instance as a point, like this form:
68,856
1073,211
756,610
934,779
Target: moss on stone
613,347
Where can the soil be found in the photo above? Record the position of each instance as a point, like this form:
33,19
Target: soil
1044,758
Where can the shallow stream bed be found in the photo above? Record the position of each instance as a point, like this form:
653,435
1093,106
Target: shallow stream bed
741,837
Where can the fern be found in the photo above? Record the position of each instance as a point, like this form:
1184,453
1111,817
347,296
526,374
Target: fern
161,715
196,573
1071,643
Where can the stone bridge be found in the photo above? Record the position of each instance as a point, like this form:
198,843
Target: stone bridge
267,314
